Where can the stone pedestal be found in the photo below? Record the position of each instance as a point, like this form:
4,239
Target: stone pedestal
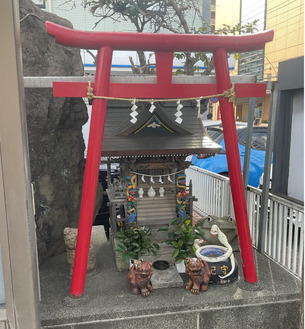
166,278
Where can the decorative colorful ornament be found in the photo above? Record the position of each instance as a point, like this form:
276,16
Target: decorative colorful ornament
181,195
131,200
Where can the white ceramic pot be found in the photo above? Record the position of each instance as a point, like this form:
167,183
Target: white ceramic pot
141,192
161,191
180,267
151,192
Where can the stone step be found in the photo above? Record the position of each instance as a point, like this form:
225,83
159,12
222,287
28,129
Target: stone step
272,302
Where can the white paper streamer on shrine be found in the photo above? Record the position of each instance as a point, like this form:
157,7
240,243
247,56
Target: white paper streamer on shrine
134,112
152,179
152,107
198,107
169,178
160,180
143,179
179,113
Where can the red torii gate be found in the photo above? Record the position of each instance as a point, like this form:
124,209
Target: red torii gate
164,45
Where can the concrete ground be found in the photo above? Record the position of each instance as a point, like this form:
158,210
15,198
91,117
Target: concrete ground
273,302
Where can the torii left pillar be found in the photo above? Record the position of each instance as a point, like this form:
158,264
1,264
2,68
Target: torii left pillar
95,142
164,45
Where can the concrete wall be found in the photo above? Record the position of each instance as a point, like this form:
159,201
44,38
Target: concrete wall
288,155
296,158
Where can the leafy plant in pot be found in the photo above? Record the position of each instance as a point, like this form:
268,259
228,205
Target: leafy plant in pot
182,235
135,242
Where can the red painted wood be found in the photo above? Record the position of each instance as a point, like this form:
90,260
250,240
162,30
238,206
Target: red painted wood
234,166
158,41
164,45
134,90
164,63
91,173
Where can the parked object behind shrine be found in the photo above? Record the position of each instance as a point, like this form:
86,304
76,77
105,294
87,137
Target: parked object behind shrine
219,163
102,217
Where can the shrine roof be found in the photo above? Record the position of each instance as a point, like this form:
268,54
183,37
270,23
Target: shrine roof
155,133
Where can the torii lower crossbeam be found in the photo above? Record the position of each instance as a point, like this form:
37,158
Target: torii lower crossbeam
164,45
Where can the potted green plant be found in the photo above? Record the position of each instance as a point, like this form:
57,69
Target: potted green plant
135,242
182,235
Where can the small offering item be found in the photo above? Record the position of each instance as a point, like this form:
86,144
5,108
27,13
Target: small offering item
151,192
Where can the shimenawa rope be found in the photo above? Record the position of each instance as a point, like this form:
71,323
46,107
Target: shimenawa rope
229,94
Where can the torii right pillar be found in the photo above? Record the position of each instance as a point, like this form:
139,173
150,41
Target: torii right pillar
234,166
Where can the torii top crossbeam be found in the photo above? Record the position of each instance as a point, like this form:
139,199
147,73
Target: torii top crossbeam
158,41
164,45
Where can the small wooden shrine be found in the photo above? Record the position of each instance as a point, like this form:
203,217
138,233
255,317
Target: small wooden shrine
152,153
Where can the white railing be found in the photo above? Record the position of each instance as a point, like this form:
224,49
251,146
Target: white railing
212,191
285,220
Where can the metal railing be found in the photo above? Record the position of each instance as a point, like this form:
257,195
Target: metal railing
284,240
212,191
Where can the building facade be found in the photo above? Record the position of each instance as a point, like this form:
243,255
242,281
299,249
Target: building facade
286,18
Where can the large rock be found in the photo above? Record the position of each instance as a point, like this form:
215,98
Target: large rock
54,131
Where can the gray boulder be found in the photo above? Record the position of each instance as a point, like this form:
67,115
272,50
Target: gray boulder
54,131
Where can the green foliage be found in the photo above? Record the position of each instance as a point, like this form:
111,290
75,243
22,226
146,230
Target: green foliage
135,242
169,16
182,235
238,28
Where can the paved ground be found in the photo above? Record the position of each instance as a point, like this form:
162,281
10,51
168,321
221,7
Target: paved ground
108,304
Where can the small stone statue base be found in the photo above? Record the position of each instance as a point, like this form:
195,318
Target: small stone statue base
70,235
